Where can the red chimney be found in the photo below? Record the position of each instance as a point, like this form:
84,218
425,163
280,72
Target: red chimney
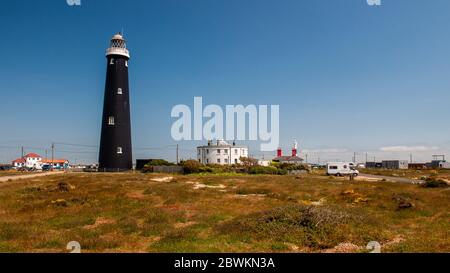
295,148
279,152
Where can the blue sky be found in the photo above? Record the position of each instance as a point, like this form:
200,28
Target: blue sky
348,77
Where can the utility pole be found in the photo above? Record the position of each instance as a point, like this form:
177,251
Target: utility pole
354,157
366,157
178,148
23,152
53,154
306,158
46,154
411,158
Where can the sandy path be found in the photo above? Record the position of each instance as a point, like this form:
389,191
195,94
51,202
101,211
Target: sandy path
403,180
26,176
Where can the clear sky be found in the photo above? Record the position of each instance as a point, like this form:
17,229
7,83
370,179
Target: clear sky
348,77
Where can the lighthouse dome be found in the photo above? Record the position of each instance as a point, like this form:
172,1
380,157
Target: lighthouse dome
118,36
118,46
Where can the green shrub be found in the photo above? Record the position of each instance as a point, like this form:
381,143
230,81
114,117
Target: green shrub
191,166
312,226
293,167
159,162
435,183
148,168
263,170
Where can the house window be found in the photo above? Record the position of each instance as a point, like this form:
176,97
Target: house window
112,61
226,160
119,150
236,151
225,151
207,161
207,151
218,160
235,161
218,152
119,91
111,121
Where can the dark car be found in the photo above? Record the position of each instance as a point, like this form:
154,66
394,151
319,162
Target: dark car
5,168
46,168
91,169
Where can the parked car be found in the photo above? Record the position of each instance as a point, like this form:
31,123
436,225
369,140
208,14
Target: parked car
5,168
342,169
46,168
91,169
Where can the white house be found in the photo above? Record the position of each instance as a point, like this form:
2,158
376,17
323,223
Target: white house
221,152
35,161
28,161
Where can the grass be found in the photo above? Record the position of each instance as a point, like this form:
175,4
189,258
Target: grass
414,174
10,173
240,213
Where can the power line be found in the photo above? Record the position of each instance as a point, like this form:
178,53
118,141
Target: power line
75,145
75,152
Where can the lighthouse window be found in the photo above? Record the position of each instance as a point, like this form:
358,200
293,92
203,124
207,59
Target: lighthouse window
126,63
119,150
111,121
119,91
112,61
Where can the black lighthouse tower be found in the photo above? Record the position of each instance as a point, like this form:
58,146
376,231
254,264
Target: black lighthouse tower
115,143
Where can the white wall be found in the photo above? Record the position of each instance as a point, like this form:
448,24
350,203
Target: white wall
227,156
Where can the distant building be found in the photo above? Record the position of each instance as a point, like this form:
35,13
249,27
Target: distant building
264,163
57,163
36,161
439,162
395,164
374,165
417,166
28,161
292,159
222,153
444,165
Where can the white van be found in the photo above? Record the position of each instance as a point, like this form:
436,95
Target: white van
342,169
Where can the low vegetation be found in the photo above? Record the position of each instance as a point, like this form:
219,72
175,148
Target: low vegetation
248,166
137,212
414,174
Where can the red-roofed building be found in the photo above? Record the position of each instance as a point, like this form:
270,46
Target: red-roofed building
19,163
293,159
31,160
36,161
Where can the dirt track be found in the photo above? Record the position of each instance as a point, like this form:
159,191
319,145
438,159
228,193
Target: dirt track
390,179
26,176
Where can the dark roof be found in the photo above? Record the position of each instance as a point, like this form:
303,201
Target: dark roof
288,158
